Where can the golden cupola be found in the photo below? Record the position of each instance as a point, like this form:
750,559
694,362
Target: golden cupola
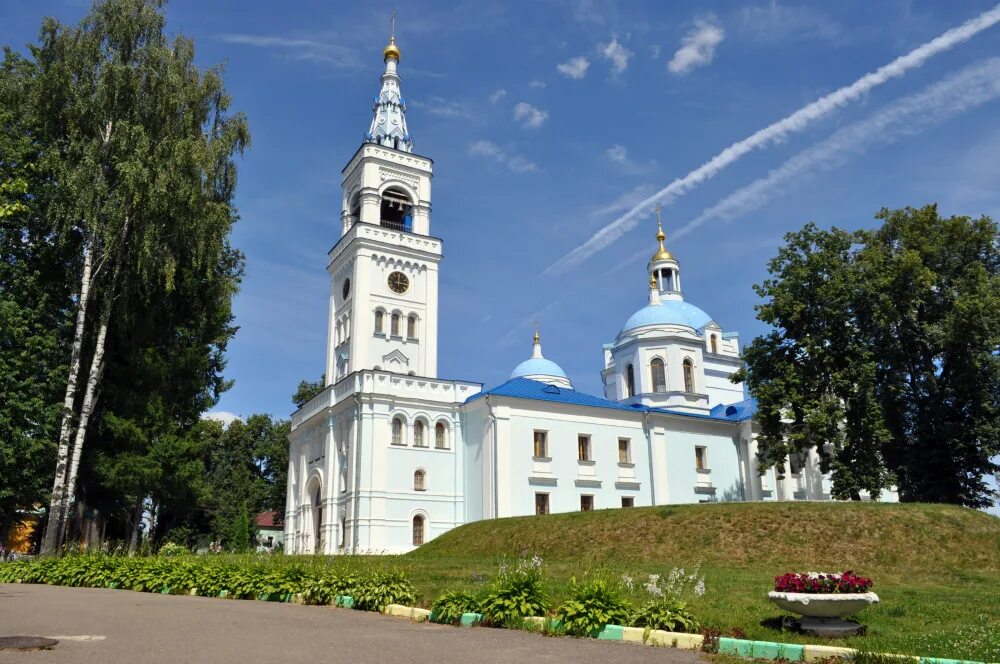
391,51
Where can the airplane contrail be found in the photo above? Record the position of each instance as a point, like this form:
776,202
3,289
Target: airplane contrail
775,132
969,88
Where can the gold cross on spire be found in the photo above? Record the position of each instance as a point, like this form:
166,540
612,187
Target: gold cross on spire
537,336
393,21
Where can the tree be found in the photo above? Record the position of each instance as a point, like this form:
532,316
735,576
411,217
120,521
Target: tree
883,356
142,153
307,391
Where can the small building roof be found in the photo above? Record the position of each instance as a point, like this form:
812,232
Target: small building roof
267,520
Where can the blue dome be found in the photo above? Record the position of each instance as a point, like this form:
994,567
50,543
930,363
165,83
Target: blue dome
538,367
669,312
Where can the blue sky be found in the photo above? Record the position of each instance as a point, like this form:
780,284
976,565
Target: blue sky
549,120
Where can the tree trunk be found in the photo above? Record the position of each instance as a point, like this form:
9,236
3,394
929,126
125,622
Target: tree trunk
133,543
89,401
58,501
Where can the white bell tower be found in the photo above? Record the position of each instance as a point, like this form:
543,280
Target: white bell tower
384,269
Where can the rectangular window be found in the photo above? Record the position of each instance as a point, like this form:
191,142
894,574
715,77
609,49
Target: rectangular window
583,447
541,445
541,503
586,503
795,462
700,458
628,501
624,453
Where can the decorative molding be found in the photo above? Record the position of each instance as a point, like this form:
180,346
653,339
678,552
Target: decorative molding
634,486
542,481
706,490
596,484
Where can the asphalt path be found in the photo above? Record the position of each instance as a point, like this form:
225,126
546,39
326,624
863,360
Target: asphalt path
99,626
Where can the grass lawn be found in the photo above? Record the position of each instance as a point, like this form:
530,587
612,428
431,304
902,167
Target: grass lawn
936,568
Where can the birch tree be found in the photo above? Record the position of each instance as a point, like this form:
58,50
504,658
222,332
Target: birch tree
143,154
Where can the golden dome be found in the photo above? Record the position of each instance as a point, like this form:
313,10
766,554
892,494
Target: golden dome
662,254
391,51
652,281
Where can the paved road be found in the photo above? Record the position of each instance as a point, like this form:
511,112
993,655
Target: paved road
124,626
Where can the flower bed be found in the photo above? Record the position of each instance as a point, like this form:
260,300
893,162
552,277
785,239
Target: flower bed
821,583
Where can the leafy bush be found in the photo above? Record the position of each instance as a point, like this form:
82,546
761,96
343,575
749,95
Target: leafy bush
515,594
668,613
449,607
592,606
381,589
172,549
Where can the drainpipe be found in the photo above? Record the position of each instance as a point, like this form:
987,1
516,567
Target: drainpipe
493,479
649,447
357,473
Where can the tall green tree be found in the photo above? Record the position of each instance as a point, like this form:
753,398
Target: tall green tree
307,390
143,157
883,356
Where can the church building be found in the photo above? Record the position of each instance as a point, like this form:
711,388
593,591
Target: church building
388,455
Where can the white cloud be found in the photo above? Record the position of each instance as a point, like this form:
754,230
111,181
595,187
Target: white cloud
575,68
498,95
491,150
223,416
617,54
441,107
777,132
971,87
781,23
530,116
322,48
618,154
536,84
698,46
654,51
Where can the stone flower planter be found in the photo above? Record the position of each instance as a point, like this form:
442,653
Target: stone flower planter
822,614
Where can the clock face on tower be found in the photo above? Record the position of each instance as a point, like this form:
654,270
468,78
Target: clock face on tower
399,282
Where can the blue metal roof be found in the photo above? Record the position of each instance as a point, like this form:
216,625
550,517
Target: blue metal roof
538,367
668,312
525,388
737,412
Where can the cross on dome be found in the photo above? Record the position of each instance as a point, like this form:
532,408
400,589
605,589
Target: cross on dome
662,254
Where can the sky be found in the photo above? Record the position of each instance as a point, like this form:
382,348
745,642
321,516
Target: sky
551,125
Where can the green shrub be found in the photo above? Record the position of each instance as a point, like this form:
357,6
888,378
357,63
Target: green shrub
379,590
592,606
449,607
668,613
172,549
515,594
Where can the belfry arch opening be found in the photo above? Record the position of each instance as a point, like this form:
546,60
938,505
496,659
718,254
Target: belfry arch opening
397,210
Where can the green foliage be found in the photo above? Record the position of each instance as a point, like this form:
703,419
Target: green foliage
172,549
668,613
515,594
307,390
240,536
241,577
883,356
449,607
592,605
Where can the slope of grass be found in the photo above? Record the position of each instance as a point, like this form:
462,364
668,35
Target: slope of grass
936,567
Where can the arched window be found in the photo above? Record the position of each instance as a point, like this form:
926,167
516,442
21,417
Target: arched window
397,431
394,330
688,376
715,343
659,375
418,530
318,509
418,433
379,322
411,327
418,480
629,382
396,211
439,436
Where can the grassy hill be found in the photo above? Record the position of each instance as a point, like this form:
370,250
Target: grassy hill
889,539
936,567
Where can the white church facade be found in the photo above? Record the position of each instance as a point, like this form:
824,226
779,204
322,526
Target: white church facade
389,456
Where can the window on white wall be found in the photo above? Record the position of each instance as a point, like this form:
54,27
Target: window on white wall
379,322
418,530
629,381
715,343
583,447
586,503
541,448
440,436
541,503
688,376
411,327
659,375
701,458
418,433
394,330
397,431
419,479
624,450
628,501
